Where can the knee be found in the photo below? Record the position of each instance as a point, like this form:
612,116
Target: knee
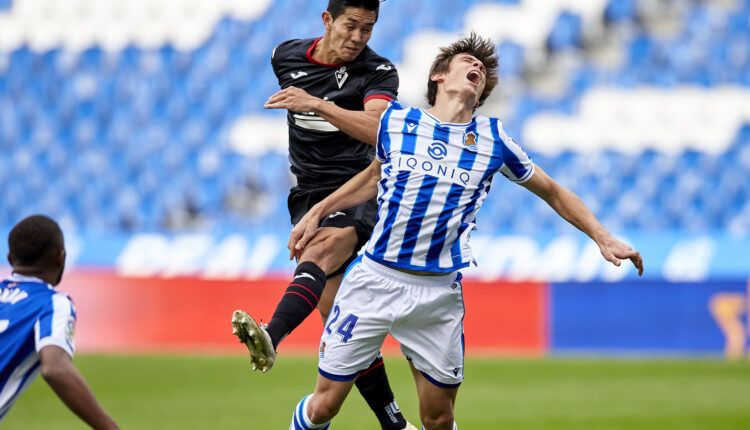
321,410
320,255
442,420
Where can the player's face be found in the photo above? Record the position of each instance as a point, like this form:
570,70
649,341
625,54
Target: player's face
465,75
350,32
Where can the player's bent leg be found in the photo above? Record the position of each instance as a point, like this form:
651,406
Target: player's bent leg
327,249
435,402
299,300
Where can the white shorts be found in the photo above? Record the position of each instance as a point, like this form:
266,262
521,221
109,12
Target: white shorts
423,313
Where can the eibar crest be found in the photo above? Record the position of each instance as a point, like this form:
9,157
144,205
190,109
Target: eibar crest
341,76
470,141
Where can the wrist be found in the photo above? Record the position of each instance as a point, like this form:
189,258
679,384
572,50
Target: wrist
317,105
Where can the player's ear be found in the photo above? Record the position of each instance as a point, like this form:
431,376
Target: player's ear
438,77
327,20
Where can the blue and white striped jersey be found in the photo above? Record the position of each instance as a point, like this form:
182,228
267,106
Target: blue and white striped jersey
434,179
32,315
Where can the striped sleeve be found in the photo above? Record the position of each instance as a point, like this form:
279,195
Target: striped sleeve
517,165
56,324
383,145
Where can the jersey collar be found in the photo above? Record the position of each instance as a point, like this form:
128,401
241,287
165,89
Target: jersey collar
15,277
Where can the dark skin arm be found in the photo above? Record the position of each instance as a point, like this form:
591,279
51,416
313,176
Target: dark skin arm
361,125
65,380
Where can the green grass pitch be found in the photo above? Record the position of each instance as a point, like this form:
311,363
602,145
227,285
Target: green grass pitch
219,392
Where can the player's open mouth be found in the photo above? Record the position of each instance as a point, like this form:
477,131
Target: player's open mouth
474,77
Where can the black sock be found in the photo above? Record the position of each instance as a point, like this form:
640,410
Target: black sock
374,387
299,300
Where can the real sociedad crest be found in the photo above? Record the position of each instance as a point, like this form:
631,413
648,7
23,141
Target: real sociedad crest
470,141
341,75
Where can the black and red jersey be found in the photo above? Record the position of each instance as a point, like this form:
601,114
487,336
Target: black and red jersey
320,154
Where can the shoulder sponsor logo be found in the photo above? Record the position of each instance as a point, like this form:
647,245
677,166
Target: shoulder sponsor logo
341,75
296,75
385,67
410,126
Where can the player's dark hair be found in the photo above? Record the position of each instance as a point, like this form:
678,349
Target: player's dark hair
336,7
481,48
35,239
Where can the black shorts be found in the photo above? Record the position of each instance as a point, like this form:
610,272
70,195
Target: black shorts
361,217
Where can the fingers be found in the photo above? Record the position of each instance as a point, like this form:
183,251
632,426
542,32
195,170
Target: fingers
626,253
293,238
637,262
276,101
280,96
308,234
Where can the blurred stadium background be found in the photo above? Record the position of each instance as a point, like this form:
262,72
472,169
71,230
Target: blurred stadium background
139,126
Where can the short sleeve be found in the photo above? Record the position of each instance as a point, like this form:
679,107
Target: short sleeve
383,145
56,324
382,83
517,165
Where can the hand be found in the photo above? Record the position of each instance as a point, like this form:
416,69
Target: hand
302,232
614,251
293,99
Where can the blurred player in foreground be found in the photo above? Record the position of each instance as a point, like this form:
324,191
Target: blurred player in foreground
341,69
37,323
432,173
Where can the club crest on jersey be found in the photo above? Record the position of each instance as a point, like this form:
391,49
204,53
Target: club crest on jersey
470,141
341,75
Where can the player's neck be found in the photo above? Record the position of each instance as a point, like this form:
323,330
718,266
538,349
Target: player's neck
33,272
452,110
324,53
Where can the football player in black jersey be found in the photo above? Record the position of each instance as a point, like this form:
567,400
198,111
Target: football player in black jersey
344,75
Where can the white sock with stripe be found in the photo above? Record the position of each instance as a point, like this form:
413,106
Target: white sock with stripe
300,420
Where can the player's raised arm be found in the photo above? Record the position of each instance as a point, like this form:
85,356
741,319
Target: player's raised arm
361,125
63,377
362,187
571,207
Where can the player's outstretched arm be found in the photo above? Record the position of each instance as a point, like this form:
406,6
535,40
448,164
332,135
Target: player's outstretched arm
357,190
361,125
571,207
63,377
